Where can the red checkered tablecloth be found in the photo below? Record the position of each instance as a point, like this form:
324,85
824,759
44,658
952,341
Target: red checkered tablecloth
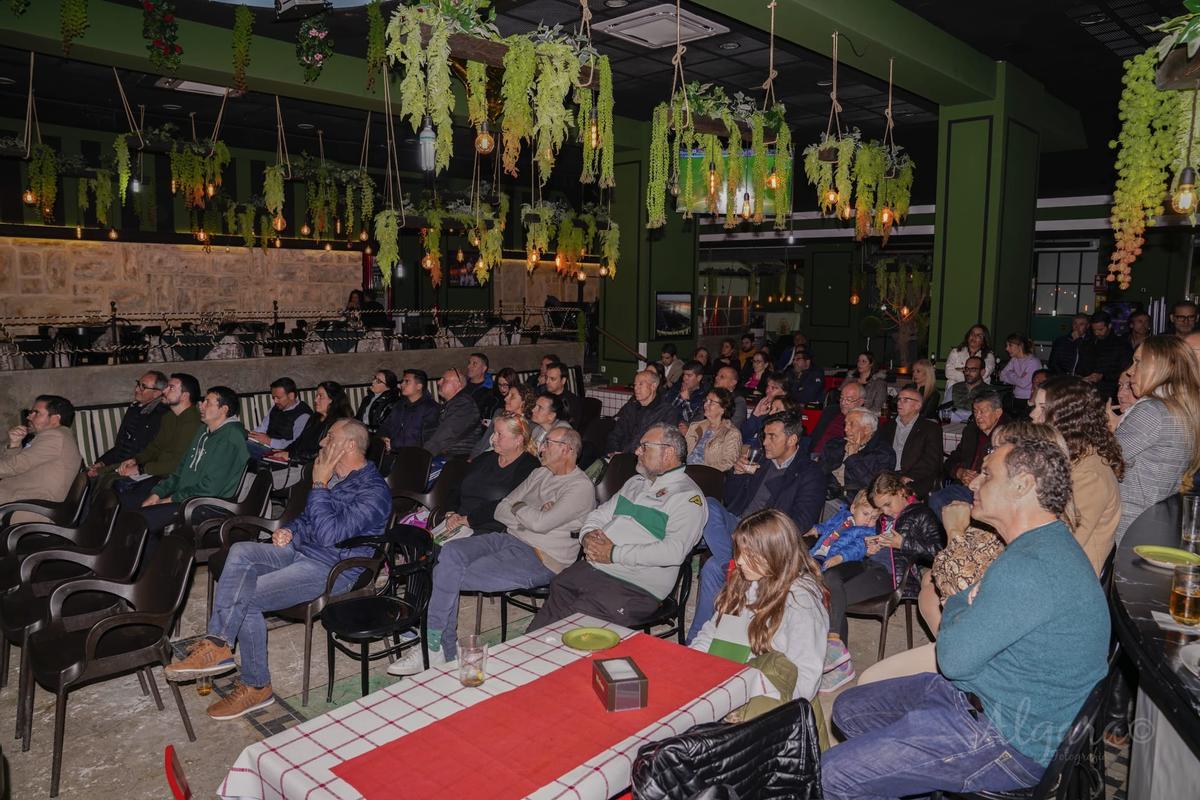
297,763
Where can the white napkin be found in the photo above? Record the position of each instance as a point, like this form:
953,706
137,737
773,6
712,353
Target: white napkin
1167,623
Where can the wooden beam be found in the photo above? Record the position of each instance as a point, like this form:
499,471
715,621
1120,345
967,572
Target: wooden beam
471,48
1177,71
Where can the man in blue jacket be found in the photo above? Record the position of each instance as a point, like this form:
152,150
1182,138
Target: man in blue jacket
785,479
348,498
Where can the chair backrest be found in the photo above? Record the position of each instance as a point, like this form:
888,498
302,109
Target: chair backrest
592,408
163,584
597,432
413,546
123,550
257,499
73,503
710,480
175,777
410,469
376,451
621,468
297,498
448,487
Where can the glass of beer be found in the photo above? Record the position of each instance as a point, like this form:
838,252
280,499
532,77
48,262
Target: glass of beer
1185,595
204,685
1189,527
472,660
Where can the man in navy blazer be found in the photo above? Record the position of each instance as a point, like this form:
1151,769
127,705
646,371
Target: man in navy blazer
785,479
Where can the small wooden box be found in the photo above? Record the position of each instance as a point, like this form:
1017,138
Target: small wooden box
619,684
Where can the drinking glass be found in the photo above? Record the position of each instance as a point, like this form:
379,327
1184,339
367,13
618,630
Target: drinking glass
1189,528
472,660
204,685
1185,595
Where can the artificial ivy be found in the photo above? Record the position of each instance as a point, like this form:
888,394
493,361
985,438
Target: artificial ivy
583,122
82,200
273,190
322,201
491,251
376,46
539,221
102,189
558,70
387,233
43,179
243,34
72,21
245,227
441,95
610,248
195,166
432,236
366,199
604,118
658,168
569,244
843,180
735,163
783,171
266,232
760,169
314,47
425,87
121,158
520,64
869,165
819,173
160,29
404,45
477,106
895,191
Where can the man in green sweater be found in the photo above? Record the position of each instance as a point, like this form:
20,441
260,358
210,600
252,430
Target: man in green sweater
212,466
175,432
1019,653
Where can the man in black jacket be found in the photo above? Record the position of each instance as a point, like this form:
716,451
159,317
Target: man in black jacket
785,480
414,418
1111,356
1071,353
140,423
458,421
644,409
963,465
556,383
917,442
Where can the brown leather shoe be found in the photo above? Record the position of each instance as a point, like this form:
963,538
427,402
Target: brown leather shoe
205,658
241,701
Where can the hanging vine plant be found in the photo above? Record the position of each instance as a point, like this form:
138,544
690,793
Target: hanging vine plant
441,95
658,168
869,165
584,123
604,122
43,179
538,219
425,88
405,46
196,170
273,190
322,196
72,22
477,102
760,166
895,192
1145,147
314,47
783,172
243,35
121,158
431,238
160,29
557,71
387,233
610,248
491,251
516,90
102,190
376,44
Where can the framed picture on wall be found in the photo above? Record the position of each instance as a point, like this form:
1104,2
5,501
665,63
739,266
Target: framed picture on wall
672,315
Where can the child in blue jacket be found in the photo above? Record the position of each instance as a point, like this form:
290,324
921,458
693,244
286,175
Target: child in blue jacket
842,537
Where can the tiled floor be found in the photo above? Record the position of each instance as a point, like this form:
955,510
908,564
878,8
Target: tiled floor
115,735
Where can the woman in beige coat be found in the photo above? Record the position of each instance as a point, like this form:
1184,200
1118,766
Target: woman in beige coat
714,441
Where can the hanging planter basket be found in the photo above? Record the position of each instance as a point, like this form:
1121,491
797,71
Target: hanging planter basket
829,155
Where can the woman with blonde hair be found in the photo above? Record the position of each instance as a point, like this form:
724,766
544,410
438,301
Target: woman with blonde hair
1159,432
777,591
492,476
925,378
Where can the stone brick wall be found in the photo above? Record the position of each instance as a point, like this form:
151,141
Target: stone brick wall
45,277
512,285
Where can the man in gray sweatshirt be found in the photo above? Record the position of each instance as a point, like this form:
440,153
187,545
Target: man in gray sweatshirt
540,515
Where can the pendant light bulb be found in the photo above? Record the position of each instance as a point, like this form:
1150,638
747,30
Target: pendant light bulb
28,197
367,249
712,179
112,234
328,246
459,256
278,243
399,271
854,298
363,235
1183,201
532,259
603,271
594,129
747,211
174,186
903,312
135,185
885,216
773,180
425,141
201,236
581,276
337,227
831,197
278,223
305,230
78,231
427,262
847,212
485,143
210,189
558,260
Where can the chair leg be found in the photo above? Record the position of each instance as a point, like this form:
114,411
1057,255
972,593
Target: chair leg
329,660
211,588
504,617
883,626
908,623
26,688
3,662
308,630
183,714
142,682
479,614
60,725
366,668
153,687
425,639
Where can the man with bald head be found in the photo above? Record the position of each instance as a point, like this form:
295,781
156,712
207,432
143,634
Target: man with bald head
647,407
458,420
832,424
727,378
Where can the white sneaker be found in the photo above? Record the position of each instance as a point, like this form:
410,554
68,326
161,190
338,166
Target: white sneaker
411,662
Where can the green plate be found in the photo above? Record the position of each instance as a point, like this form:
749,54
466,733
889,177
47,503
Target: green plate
590,639
1165,557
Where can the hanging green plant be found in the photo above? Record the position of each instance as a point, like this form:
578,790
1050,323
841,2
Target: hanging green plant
735,163
72,21
583,123
82,200
610,248
19,7
604,120
273,190
1144,147
376,45
441,95
687,143
894,192
366,200
658,168
491,251
405,46
121,158
314,47
160,29
432,239
477,102
516,88
196,170
351,207
43,179
538,219
322,201
558,70
843,179
387,233
760,166
819,173
245,227
266,232
783,175
869,166
243,35
102,189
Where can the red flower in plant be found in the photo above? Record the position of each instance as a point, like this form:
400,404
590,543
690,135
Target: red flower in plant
178,49
148,5
169,18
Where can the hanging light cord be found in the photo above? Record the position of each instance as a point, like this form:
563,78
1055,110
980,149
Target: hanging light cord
31,124
217,125
769,84
678,78
889,143
281,148
393,160
835,123
362,159
133,126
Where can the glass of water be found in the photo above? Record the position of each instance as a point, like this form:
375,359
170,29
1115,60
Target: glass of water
1189,526
472,661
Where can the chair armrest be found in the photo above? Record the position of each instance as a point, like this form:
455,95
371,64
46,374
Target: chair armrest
23,529
257,523
204,527
363,541
420,498
43,507
373,563
105,625
121,589
191,504
33,560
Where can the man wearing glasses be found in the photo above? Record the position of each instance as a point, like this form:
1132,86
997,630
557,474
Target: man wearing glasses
1183,318
44,468
635,543
540,515
162,455
917,442
140,423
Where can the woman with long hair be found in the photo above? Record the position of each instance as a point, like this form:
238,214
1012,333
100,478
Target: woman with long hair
976,343
1158,434
874,382
493,475
754,382
925,378
1074,408
330,403
778,586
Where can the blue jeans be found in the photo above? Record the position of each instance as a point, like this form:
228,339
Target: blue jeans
258,578
718,535
485,562
914,735
944,497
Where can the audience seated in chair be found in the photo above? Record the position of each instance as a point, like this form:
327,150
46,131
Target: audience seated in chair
726,378
636,542
916,442
283,422
963,465
161,456
806,381
45,468
458,418
556,383
851,461
1018,653
330,404
480,383
713,440
348,498
381,398
646,408
784,479
534,543
139,424
687,393
414,417
832,424
961,395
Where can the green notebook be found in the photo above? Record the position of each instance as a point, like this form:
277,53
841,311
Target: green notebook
732,638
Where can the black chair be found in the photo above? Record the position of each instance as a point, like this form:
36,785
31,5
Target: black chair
388,613
710,480
443,497
621,468
591,409
63,657
65,512
596,433
24,610
206,532
376,451
673,607
1077,770
409,472
882,608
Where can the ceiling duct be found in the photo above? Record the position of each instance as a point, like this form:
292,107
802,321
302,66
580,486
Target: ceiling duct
654,27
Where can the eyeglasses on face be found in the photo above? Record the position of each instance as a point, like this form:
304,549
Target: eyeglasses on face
642,445
144,387
378,380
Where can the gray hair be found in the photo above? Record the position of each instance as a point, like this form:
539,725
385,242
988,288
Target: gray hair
1047,463
989,396
356,432
672,438
868,417
570,437
653,373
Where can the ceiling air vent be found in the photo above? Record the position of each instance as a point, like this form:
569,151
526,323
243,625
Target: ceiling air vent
654,27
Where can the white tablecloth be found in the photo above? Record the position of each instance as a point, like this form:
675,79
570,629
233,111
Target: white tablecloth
297,763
